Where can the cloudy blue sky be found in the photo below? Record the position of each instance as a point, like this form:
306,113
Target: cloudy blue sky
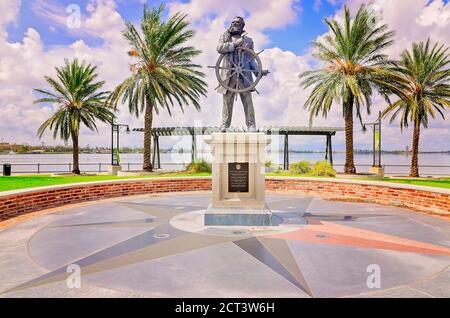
35,36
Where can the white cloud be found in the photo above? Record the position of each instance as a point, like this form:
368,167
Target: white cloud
10,10
436,13
318,4
260,15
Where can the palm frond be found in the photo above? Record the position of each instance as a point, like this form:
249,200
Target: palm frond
424,87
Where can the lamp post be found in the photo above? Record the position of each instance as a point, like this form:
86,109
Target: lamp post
115,146
115,128
376,129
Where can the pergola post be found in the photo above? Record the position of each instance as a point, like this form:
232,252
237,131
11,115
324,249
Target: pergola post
194,147
286,152
329,149
154,152
158,152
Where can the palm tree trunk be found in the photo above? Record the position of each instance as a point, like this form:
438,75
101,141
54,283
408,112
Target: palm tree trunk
75,153
349,162
415,150
148,122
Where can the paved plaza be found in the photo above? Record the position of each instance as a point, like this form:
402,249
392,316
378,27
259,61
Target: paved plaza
157,246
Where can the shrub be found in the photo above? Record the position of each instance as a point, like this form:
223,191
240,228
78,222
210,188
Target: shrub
199,166
323,169
268,163
300,167
278,169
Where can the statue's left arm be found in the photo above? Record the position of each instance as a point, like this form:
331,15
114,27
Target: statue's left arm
225,45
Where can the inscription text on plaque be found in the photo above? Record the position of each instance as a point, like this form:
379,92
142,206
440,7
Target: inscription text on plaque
238,177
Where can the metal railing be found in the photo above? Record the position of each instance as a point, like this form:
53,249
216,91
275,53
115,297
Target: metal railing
423,169
101,167
392,169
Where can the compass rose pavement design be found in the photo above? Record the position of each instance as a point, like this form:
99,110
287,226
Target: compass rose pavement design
157,246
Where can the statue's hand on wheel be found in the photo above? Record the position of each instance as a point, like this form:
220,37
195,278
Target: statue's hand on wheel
265,72
238,42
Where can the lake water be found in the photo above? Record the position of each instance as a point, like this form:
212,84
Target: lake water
98,162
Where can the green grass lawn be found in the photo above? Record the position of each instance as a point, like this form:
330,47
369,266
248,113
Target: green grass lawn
22,182
441,183
287,174
437,183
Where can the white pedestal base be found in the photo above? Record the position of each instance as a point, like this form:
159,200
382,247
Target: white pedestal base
113,170
238,196
377,170
238,216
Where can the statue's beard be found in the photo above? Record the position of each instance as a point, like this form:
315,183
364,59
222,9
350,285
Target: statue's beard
235,32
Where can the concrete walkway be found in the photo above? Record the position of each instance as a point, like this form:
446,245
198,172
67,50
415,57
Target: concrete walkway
157,246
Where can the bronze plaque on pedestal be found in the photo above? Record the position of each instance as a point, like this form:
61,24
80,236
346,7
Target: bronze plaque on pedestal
238,177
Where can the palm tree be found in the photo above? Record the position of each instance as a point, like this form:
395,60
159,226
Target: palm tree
164,73
76,95
427,90
354,65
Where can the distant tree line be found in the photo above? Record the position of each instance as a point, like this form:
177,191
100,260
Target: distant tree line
26,148
6,148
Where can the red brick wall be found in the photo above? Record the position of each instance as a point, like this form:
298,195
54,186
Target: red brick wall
415,199
17,204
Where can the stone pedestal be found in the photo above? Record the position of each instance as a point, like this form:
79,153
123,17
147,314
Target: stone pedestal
238,196
379,171
113,170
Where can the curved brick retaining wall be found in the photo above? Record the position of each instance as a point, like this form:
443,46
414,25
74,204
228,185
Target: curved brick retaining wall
15,203
426,199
